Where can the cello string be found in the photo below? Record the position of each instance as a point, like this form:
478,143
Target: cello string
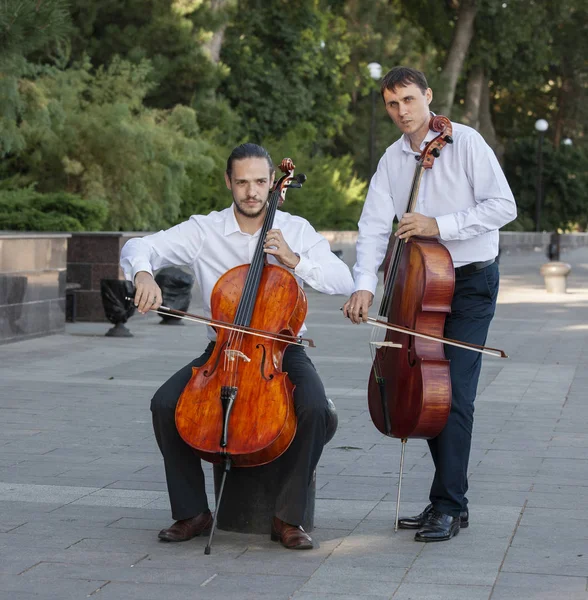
398,251
251,287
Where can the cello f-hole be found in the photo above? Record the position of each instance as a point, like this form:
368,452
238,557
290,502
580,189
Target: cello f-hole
262,363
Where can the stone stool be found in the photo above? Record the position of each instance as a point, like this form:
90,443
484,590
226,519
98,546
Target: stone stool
555,274
250,493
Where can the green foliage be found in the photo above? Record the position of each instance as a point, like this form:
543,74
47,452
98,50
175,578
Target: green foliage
28,26
168,33
284,70
332,196
564,182
378,31
131,110
94,138
28,210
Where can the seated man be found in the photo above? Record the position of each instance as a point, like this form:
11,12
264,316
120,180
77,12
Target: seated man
211,245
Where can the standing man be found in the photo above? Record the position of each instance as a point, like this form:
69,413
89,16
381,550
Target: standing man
211,245
463,201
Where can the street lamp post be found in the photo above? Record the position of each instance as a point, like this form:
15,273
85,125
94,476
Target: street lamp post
375,73
541,126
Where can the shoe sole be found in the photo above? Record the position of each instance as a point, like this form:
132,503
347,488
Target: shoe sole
168,540
276,538
439,539
400,526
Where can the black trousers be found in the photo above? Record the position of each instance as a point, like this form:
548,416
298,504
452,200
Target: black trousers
183,469
472,309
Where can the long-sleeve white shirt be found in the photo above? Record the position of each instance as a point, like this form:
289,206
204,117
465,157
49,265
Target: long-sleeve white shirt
466,191
212,244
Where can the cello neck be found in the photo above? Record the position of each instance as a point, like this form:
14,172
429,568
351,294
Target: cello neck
253,279
399,245
249,295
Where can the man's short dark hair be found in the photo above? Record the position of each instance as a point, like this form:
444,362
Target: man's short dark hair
249,150
403,76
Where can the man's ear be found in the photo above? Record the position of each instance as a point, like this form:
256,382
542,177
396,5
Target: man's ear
429,95
228,181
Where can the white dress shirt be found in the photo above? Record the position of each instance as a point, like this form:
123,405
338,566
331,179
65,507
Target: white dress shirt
466,191
212,244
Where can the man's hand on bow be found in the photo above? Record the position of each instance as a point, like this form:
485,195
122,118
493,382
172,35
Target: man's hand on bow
276,245
416,224
356,308
147,292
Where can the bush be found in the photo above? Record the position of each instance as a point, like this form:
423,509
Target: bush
28,210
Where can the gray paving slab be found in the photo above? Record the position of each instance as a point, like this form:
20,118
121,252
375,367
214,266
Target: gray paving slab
82,486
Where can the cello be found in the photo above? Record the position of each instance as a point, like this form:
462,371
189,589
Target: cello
238,408
409,390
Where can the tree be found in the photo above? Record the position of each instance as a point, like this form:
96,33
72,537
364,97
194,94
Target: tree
27,27
285,71
88,133
172,34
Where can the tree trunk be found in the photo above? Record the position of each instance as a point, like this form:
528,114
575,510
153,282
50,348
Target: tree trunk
214,45
464,31
486,127
565,93
476,82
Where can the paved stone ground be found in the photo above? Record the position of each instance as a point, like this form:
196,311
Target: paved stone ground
82,489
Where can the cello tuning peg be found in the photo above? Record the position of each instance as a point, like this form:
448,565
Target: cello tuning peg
435,152
448,139
298,181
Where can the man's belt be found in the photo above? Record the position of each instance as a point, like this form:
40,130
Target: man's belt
472,268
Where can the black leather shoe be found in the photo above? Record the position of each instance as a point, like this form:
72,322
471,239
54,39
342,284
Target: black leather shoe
418,521
438,528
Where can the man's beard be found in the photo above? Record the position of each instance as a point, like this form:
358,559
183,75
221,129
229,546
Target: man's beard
247,214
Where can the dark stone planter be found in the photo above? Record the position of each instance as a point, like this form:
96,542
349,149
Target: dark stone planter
249,497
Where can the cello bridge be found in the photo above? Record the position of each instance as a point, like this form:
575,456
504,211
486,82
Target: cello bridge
235,354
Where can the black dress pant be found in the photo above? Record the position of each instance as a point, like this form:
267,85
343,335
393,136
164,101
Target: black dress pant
183,469
472,309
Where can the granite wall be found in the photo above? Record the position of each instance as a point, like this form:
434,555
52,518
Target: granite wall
91,257
32,284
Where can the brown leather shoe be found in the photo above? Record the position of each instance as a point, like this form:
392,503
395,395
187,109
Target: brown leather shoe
291,536
186,529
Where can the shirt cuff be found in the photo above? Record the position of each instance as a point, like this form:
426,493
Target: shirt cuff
141,266
447,225
366,282
303,268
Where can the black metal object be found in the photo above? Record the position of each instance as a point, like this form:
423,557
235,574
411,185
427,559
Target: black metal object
251,492
539,197
219,494
70,301
553,249
118,308
176,290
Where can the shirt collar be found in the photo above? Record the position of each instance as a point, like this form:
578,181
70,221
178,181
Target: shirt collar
231,225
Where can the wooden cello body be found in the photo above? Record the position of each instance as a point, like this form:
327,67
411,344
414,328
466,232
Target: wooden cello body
238,408
409,389
261,423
